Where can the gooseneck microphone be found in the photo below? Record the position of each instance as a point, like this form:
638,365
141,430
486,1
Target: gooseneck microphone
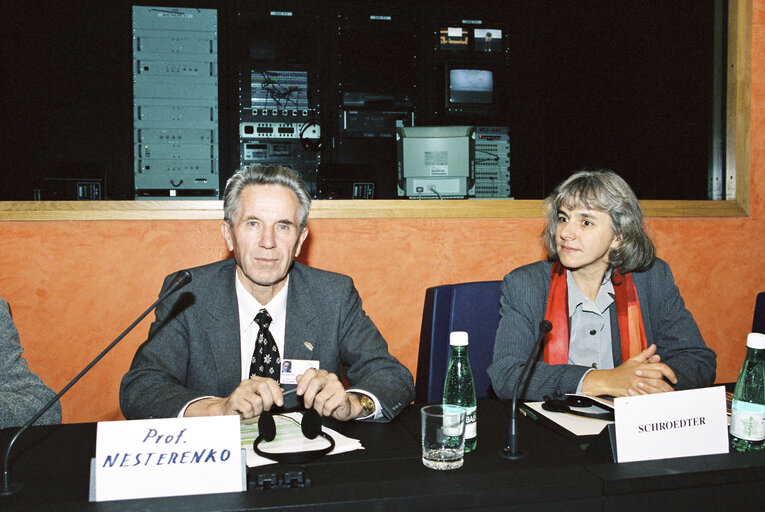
511,451
181,279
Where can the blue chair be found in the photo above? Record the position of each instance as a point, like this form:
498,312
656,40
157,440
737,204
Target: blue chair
758,324
471,307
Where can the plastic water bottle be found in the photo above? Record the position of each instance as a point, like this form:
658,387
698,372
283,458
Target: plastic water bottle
747,416
459,388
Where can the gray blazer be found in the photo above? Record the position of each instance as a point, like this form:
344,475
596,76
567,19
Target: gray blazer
22,393
193,348
667,324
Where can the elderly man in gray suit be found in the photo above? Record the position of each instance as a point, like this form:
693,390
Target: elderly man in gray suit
209,352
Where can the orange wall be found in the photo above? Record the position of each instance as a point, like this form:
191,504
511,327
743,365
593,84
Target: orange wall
74,286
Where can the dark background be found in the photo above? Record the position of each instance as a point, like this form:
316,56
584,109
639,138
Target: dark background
625,85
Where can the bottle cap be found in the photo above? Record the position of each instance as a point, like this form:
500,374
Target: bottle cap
753,340
458,338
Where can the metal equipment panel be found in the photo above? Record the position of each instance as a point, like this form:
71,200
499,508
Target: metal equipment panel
175,90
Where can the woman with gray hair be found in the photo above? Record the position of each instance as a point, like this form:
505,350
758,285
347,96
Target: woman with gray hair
619,324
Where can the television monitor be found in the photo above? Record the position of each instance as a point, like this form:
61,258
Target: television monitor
281,90
468,86
487,39
453,38
436,162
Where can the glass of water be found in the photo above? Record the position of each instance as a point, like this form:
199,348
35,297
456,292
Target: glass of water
443,436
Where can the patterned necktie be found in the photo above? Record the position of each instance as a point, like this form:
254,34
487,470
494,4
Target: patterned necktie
265,360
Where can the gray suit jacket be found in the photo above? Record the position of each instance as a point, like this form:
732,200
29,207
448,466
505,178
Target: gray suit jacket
22,393
667,324
193,348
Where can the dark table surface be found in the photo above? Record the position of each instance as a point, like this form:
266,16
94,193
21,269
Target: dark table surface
53,464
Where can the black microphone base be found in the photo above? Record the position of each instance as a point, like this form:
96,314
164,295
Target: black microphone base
11,489
508,454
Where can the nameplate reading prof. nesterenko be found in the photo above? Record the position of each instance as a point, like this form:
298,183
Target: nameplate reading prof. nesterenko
167,457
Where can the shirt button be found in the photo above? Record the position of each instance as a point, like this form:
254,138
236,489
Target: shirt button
593,332
595,365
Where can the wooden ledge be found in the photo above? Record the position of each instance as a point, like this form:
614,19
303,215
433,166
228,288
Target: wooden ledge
335,209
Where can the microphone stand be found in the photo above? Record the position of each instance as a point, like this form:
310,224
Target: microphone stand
8,488
511,451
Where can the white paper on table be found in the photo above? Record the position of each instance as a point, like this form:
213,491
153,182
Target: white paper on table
290,438
577,425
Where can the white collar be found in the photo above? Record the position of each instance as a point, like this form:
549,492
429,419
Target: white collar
249,305
576,297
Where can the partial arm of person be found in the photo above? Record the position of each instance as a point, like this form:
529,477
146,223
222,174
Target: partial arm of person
248,400
156,384
672,328
639,375
22,393
366,362
323,391
679,357
522,307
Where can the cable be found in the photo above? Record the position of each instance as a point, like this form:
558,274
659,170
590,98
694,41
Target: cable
314,145
432,188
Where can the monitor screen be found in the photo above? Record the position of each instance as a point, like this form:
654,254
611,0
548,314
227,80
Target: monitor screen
284,90
436,162
453,38
487,39
471,86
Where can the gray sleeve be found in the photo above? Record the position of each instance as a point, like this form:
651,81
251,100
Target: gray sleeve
522,308
367,364
154,387
22,393
673,329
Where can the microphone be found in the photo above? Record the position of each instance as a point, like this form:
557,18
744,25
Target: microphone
511,451
179,281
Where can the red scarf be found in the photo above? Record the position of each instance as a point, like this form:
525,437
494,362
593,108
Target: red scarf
628,314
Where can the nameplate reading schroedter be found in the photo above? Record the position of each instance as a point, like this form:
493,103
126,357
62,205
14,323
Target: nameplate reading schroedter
167,457
668,425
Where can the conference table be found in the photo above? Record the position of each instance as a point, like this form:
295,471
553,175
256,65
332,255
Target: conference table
53,464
